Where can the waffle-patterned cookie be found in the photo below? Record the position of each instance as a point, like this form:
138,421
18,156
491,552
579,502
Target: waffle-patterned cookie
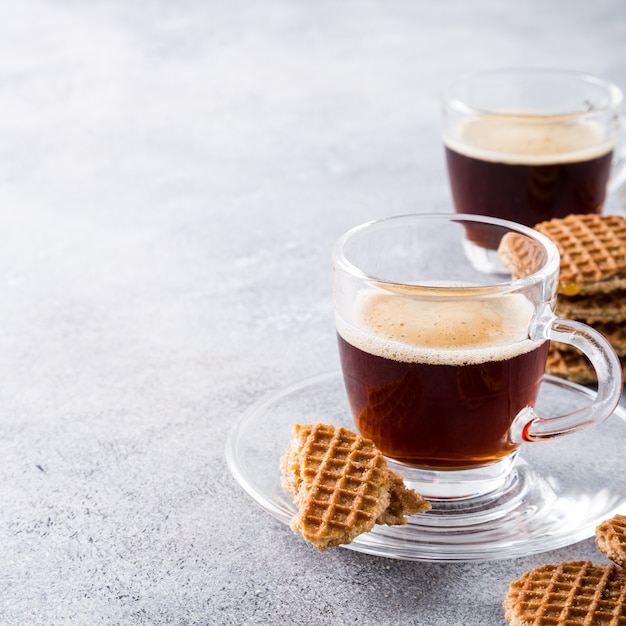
342,486
593,252
611,539
520,254
603,307
592,249
570,594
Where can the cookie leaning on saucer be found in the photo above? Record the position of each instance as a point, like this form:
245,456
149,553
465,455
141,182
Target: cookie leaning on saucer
342,486
570,594
611,539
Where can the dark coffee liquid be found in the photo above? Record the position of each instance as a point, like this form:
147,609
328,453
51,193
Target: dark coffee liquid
527,194
528,168
440,416
437,384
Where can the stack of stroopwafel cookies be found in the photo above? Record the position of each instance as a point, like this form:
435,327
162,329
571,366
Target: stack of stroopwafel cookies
342,486
592,285
574,592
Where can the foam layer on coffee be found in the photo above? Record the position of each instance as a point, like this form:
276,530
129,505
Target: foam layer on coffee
531,140
437,331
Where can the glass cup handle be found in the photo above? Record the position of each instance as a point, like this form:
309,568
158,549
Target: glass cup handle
528,426
618,167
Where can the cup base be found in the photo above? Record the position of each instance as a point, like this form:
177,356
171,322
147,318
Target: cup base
478,482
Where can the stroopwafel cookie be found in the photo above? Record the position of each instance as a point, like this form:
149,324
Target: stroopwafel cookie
593,252
600,308
520,254
611,539
570,594
342,486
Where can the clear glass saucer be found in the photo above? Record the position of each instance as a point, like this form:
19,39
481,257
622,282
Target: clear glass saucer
558,493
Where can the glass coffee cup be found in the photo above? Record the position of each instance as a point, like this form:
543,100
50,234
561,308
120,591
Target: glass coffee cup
529,145
442,361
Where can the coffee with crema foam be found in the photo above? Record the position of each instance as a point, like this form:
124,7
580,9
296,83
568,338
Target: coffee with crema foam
527,168
437,384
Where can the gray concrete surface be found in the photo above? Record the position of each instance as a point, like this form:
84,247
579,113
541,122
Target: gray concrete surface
172,177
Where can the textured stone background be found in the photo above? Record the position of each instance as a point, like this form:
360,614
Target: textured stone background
172,177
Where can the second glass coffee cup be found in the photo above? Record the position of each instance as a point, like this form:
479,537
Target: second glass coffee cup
529,145
443,362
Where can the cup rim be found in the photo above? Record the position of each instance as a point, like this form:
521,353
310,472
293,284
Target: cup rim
614,100
551,267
